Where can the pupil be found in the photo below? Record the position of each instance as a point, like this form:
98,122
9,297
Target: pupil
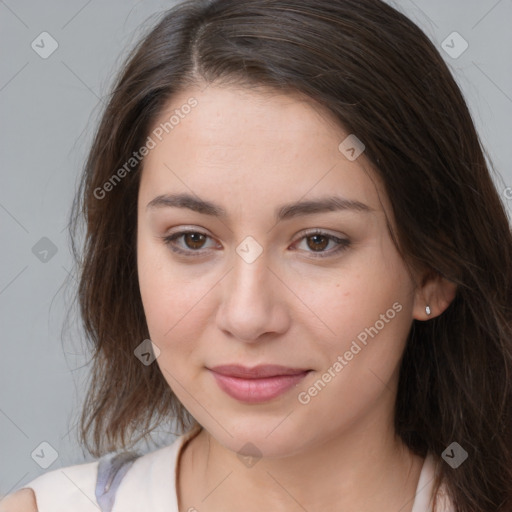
192,236
317,237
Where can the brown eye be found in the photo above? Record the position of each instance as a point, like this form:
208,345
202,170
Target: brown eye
194,240
319,242
193,243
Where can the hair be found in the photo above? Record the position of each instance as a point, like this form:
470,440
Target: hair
383,80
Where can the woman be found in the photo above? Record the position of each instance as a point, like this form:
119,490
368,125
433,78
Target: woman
289,199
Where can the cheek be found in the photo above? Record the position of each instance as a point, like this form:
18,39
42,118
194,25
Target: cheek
174,298
364,288
172,320
370,312
371,318
157,287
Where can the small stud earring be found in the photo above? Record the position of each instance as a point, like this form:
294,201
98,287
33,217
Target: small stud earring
427,310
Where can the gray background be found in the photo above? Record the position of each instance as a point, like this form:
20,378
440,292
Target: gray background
49,108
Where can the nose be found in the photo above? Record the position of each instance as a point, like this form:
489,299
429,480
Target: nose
253,302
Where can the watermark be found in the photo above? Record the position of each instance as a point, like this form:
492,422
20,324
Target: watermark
454,45
508,193
137,156
44,454
147,352
44,250
304,397
351,147
454,455
249,455
44,45
249,249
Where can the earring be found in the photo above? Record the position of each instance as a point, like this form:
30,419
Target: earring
427,310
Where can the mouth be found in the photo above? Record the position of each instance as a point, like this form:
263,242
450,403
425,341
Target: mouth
258,384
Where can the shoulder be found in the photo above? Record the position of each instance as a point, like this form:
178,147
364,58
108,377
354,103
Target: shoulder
70,485
75,486
22,501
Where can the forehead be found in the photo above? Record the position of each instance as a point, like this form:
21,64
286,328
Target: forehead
254,144
246,119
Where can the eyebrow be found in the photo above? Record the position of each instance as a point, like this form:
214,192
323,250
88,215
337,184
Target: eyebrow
283,212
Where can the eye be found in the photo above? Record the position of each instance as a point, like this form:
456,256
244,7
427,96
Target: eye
193,240
316,240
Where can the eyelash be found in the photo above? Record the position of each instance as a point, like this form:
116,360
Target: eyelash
343,243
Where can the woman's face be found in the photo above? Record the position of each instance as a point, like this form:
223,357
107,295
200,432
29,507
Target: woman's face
254,285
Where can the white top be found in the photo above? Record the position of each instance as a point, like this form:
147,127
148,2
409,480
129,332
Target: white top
73,487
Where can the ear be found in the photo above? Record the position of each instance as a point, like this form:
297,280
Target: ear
434,291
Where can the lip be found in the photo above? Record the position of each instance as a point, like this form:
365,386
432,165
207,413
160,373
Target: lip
258,384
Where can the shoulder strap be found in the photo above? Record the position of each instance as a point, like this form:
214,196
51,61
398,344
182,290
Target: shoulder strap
112,468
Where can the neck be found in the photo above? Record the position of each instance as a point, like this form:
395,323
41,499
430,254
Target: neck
363,468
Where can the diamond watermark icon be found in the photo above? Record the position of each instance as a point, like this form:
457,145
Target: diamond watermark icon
44,45
45,455
249,455
249,250
44,250
351,147
147,352
454,455
454,45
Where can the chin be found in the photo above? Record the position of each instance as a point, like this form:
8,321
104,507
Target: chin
259,436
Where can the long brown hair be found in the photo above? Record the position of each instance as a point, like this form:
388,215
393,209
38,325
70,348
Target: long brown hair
383,79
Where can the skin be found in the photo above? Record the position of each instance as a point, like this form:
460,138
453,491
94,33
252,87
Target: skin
251,151
22,501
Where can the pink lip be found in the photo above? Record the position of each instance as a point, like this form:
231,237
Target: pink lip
258,384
